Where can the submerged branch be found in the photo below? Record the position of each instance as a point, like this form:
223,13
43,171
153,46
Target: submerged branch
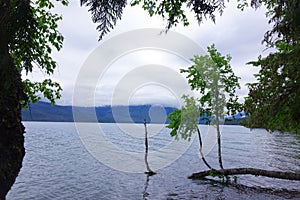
252,171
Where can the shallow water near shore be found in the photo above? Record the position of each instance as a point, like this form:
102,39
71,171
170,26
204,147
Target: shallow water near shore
58,166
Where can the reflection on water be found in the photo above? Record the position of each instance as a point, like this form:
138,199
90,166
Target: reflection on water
145,193
57,166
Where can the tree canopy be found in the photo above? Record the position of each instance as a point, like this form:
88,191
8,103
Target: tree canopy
33,37
212,76
274,101
106,13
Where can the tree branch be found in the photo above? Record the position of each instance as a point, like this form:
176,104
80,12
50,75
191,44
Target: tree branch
252,171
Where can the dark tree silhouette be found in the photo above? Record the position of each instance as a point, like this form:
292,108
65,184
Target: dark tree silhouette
11,129
27,35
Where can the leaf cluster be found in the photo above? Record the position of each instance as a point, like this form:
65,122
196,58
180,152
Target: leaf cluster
212,76
33,42
174,10
215,80
274,101
33,38
49,89
184,122
105,12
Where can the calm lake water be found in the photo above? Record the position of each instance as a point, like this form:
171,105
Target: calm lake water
58,166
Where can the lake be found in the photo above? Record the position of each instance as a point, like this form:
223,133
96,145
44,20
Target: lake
57,164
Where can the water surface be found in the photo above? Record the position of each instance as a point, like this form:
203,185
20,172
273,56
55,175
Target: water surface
57,166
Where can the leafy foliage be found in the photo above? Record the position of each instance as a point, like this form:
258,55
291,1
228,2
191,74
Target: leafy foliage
212,76
273,102
174,10
105,12
49,89
184,122
32,44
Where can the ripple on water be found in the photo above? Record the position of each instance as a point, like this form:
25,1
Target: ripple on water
57,166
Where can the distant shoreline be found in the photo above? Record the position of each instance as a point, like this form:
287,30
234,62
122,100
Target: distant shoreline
45,112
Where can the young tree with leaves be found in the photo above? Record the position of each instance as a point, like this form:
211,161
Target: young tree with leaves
212,76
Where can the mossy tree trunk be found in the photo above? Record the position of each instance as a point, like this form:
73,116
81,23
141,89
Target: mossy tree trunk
11,129
11,92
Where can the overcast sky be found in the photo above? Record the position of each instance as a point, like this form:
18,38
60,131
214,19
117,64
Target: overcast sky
236,33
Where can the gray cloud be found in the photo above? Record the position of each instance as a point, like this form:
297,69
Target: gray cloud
236,33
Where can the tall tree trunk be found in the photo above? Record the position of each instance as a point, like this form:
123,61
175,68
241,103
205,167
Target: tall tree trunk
11,92
11,129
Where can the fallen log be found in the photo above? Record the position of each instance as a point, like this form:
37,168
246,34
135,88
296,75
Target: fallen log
244,171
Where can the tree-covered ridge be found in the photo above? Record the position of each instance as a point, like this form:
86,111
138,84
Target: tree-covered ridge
43,111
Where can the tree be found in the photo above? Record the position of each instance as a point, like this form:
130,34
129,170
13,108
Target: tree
212,76
273,102
27,34
184,122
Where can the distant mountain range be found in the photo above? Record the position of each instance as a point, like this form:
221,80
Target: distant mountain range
43,111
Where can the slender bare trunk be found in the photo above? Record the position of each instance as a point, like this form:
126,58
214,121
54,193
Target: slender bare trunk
201,151
149,171
219,143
